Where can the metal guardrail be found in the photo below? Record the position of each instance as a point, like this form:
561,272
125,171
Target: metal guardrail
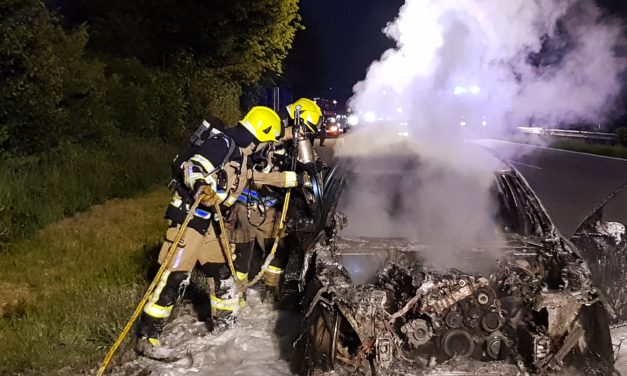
606,138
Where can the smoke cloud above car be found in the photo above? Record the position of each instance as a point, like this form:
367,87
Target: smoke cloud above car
543,62
467,69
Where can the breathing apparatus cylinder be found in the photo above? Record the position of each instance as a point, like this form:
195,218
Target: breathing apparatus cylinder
196,137
305,151
206,130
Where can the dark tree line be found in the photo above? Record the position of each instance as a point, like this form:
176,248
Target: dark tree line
151,68
241,38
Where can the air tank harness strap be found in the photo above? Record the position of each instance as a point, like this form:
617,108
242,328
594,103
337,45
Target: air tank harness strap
226,248
254,201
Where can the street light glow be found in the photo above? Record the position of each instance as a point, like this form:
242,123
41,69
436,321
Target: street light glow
370,117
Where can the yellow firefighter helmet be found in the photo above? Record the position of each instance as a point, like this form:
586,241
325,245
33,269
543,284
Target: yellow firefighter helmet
310,113
263,123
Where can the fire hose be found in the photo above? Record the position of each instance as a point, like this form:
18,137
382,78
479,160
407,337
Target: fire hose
164,265
169,256
277,238
226,246
286,203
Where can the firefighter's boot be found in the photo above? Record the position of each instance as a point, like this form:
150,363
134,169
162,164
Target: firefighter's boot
151,348
272,278
243,252
156,312
225,303
149,332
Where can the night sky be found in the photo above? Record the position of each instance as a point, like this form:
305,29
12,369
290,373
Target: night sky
343,37
341,40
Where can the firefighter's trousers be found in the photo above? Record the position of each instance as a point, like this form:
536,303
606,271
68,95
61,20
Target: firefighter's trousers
253,227
204,249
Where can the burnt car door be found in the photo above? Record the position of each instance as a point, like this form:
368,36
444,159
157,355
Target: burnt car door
602,241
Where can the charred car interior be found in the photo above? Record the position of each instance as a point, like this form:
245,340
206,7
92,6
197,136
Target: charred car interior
374,306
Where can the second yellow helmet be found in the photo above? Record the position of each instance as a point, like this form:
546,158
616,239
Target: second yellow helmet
263,123
310,113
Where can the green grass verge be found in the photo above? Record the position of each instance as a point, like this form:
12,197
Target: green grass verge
37,191
66,293
616,151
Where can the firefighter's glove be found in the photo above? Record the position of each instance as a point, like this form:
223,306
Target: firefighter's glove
259,160
303,180
210,196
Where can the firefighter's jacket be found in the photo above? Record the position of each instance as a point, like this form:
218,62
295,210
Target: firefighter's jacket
258,191
225,169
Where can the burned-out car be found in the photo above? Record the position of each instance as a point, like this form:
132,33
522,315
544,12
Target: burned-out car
374,306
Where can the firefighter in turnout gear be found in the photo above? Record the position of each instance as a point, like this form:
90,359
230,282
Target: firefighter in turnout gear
310,114
259,206
217,168
258,211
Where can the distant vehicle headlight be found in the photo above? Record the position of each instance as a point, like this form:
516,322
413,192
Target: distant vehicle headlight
333,128
353,120
484,123
462,123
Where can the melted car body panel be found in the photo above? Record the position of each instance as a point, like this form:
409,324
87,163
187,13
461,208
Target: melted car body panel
603,245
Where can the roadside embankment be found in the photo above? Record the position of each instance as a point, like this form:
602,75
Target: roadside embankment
66,292
38,190
616,151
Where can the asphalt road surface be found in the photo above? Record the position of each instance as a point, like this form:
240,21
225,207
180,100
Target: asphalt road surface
569,184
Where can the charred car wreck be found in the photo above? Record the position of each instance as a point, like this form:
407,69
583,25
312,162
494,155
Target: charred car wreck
536,312
603,244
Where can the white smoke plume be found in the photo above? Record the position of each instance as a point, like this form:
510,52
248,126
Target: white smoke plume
469,68
550,61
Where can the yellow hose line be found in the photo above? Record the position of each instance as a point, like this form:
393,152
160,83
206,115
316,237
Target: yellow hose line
226,245
275,245
155,281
